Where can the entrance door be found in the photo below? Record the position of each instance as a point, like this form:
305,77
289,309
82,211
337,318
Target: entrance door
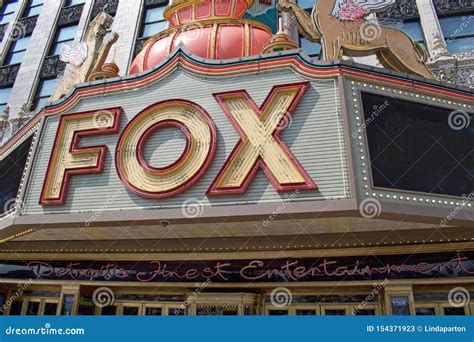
224,304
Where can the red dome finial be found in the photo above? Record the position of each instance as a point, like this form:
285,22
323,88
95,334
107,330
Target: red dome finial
212,29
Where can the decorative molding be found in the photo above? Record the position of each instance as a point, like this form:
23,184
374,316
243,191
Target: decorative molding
448,6
107,6
70,15
52,67
407,9
457,69
401,10
26,26
8,74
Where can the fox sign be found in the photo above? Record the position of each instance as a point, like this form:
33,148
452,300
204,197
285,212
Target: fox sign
179,132
260,146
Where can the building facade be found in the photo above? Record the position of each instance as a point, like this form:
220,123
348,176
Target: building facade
359,202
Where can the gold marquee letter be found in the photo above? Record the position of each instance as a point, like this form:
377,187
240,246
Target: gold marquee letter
152,182
68,159
260,145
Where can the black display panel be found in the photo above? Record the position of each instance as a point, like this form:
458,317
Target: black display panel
416,147
11,170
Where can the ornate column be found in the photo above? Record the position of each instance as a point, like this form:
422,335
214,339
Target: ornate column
431,28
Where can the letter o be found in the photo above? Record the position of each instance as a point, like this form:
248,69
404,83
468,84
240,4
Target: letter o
151,182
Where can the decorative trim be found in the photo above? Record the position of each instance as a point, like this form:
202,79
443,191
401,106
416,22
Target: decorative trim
8,74
26,26
70,15
52,67
450,6
407,9
401,10
107,6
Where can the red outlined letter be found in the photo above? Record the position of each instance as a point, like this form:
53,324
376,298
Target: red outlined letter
152,182
68,159
260,145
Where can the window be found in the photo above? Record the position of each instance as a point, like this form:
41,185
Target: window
73,2
425,311
4,96
17,51
278,312
458,32
412,28
306,4
414,31
7,12
453,311
153,21
63,35
44,92
312,49
400,306
33,8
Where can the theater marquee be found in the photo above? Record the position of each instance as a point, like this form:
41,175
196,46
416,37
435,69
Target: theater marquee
251,135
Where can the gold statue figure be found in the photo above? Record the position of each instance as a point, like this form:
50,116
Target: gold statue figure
87,57
341,26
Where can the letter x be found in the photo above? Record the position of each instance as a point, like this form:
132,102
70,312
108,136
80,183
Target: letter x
260,145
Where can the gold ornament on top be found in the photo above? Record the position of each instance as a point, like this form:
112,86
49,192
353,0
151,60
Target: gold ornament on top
342,28
281,41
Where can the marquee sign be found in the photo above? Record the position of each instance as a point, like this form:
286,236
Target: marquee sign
249,134
247,271
260,146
